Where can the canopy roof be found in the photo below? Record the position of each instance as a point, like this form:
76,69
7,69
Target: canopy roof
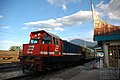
104,31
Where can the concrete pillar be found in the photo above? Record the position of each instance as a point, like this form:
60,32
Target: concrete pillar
105,49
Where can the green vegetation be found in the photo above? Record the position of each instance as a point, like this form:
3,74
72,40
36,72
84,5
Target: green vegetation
14,48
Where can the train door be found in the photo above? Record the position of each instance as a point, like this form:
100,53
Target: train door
61,46
45,44
56,43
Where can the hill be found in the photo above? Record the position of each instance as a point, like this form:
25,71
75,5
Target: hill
82,42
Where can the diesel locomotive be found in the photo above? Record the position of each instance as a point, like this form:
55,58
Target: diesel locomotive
47,51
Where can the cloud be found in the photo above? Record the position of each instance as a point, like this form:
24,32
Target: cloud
6,27
80,35
111,9
6,44
24,28
1,16
59,23
59,29
64,7
62,3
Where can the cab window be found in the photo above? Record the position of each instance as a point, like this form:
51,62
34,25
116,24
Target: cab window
46,39
33,41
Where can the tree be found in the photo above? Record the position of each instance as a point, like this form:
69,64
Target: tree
14,48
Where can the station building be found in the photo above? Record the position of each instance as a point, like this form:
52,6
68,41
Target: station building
108,38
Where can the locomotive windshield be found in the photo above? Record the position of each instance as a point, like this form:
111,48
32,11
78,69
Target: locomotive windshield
46,39
33,41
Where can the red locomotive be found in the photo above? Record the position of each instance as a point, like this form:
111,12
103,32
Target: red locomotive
47,51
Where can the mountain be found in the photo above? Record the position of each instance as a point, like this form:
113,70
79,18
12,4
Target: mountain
82,42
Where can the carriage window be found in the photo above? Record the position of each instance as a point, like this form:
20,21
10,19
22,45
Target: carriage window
33,41
46,39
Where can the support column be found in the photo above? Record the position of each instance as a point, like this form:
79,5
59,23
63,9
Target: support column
106,60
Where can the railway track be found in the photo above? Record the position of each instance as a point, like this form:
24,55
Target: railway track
21,77
7,67
18,75
37,76
42,76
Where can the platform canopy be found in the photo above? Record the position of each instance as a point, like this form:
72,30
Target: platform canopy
104,31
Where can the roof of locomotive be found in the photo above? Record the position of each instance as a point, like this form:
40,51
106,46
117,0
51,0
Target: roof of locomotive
47,33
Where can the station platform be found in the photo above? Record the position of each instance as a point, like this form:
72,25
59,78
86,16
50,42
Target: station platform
89,71
99,73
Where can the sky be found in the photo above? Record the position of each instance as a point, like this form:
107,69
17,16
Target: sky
68,19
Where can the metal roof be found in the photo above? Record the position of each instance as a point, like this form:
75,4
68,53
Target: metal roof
104,31
47,33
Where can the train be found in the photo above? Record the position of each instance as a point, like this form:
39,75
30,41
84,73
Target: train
46,51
